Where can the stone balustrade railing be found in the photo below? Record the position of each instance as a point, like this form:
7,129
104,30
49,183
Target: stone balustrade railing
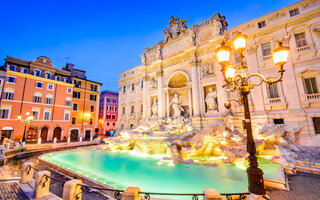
73,189
312,97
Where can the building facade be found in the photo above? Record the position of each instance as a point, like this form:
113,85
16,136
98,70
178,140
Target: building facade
47,93
184,64
108,112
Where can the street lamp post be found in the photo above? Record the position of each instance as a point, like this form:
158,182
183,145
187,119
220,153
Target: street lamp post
241,81
26,122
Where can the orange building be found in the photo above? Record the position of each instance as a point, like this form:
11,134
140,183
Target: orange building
48,94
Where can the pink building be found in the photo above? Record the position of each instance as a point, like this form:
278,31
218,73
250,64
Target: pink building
108,112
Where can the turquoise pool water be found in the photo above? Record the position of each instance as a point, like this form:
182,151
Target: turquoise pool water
122,169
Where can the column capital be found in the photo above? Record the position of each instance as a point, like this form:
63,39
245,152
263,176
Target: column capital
146,78
195,63
160,73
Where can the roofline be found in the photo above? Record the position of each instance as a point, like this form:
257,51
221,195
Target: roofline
86,80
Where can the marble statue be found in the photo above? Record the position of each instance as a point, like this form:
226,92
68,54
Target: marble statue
211,100
192,40
154,83
143,59
176,107
159,53
154,108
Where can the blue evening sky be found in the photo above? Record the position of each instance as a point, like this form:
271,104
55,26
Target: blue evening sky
106,38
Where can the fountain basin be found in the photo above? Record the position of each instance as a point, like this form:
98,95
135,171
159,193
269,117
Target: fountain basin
121,169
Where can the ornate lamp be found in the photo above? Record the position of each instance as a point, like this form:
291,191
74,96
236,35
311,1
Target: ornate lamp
240,42
280,55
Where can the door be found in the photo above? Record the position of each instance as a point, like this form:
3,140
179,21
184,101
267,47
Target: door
44,133
6,134
32,133
88,134
57,133
74,134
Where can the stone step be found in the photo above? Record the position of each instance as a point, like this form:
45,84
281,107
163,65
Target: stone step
308,169
307,163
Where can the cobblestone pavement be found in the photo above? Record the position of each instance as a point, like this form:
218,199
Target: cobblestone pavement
302,186
11,191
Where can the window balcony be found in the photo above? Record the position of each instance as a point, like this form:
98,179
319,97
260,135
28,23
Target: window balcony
131,116
277,103
305,50
307,99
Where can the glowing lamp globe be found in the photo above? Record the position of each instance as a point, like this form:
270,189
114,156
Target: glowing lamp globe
239,42
280,54
19,117
223,54
229,73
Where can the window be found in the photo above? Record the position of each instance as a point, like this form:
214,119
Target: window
37,99
301,40
66,80
91,121
132,86
114,108
278,121
114,101
4,113
76,95
113,124
132,109
311,85
11,79
8,95
47,75
261,24
316,124
50,86
57,78
294,12
77,84
35,114
108,124
48,100
266,49
141,84
93,97
108,100
93,87
74,120
69,90
123,110
39,84
124,89
92,108
12,67
37,72
46,116
141,108
273,91
75,107
67,103
24,70
108,117
113,116
66,116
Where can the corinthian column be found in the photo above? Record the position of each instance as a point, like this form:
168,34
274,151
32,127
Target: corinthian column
195,88
160,94
145,95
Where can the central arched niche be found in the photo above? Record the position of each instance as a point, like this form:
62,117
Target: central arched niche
178,80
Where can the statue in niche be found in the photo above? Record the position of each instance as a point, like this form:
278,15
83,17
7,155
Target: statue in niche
143,58
211,100
167,34
176,106
159,53
154,108
154,83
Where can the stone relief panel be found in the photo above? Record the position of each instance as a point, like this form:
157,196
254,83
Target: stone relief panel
207,70
153,82
175,48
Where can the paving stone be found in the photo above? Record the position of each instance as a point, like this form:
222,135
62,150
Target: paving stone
11,191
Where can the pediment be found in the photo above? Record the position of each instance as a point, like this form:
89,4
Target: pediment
309,71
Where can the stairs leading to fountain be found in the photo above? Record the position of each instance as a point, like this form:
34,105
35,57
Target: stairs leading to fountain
309,167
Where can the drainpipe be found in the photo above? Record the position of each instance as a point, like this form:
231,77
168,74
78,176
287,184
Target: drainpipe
84,103
54,101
